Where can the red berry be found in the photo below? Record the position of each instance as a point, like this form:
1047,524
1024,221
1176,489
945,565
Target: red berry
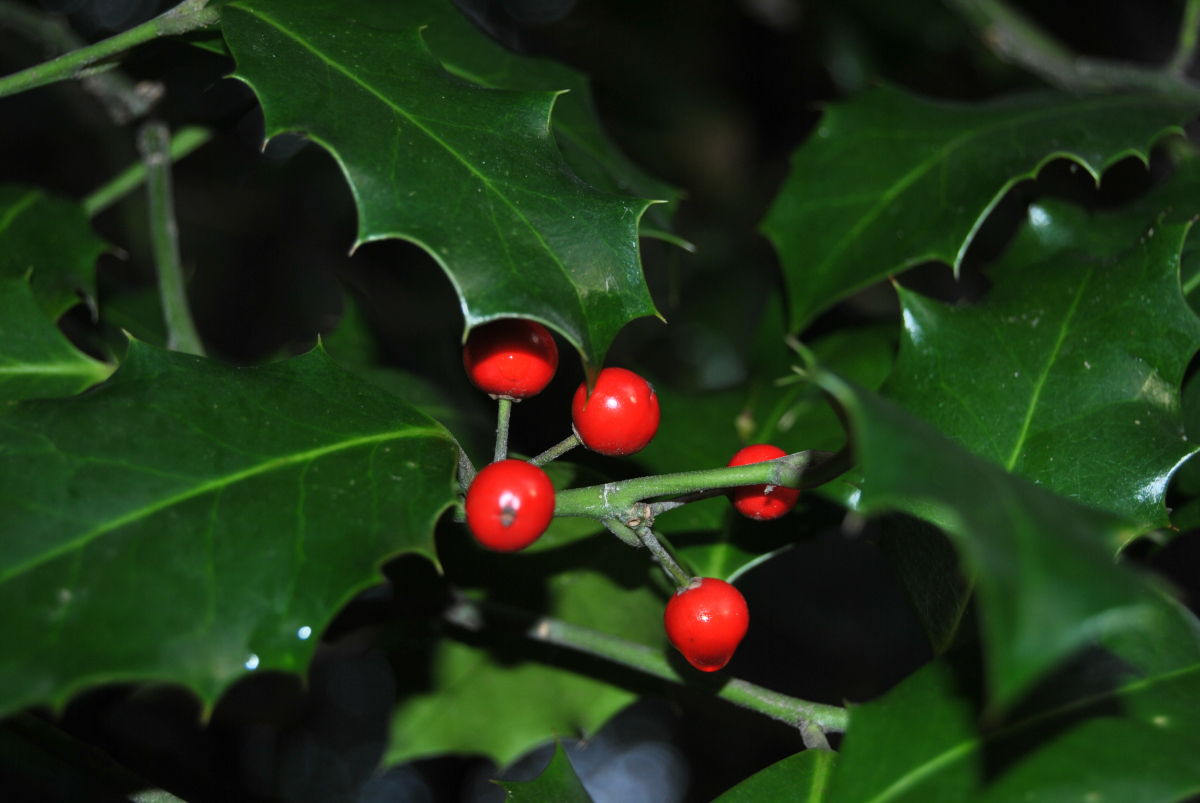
512,357
706,622
509,505
621,416
762,502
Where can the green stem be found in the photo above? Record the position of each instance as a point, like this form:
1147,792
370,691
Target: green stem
614,500
187,16
503,414
682,579
473,615
121,97
1017,39
624,533
557,450
1189,28
154,141
185,140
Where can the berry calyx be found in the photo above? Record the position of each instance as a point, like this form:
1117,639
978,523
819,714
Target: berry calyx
706,621
512,357
509,505
762,502
621,416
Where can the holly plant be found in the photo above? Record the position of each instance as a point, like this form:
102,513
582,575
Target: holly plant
353,457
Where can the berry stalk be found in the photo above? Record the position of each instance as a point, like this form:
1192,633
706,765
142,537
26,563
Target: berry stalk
504,413
650,541
557,450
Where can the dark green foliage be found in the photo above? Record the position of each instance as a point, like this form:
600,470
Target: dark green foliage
189,521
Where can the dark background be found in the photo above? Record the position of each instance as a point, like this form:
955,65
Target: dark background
711,95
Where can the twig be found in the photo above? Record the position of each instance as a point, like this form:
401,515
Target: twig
557,450
154,142
1017,39
121,97
1189,28
185,140
474,615
187,16
503,414
679,501
614,500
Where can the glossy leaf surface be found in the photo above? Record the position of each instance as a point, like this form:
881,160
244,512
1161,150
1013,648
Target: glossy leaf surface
189,521
1122,725
472,175
889,180
1069,371
50,240
537,691
1043,565
36,359
558,783
471,55
802,778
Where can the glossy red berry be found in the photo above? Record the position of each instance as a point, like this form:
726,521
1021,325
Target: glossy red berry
512,357
762,502
706,622
620,417
509,505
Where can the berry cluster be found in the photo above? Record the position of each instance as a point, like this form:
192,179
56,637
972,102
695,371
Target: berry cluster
510,503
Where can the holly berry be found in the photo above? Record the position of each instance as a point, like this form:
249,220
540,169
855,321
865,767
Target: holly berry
512,357
509,505
621,416
762,502
706,621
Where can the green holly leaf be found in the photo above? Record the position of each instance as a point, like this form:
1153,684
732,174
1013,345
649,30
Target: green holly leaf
1120,725
1043,565
802,778
50,239
537,691
558,783
189,521
1071,365
36,359
472,175
471,55
917,742
889,180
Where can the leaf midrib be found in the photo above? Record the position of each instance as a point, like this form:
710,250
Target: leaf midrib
81,367
1041,381
433,136
213,484
917,774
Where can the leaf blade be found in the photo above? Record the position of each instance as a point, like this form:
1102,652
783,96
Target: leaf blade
927,174
236,485
542,245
